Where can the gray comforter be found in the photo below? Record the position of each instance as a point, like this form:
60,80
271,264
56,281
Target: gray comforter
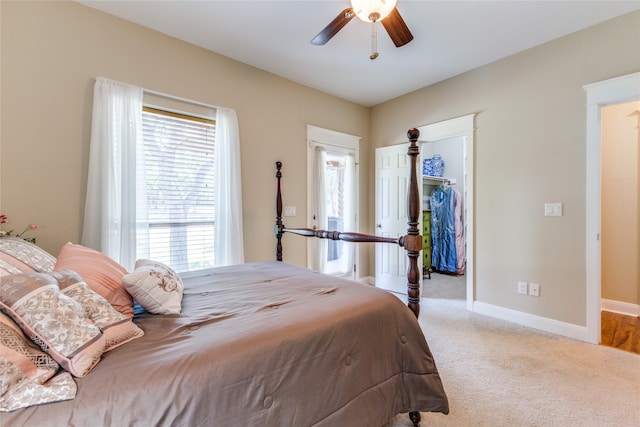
261,344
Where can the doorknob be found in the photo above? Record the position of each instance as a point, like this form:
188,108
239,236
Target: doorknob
378,225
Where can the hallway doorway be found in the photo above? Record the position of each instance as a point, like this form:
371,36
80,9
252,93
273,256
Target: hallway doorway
600,95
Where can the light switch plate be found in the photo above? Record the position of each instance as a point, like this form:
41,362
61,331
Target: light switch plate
523,288
553,209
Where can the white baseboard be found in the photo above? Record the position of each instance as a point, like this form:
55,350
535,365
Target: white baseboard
620,307
369,280
557,327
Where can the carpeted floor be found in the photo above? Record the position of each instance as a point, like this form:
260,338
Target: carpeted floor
500,374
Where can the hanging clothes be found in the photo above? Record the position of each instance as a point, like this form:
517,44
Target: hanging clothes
444,254
459,230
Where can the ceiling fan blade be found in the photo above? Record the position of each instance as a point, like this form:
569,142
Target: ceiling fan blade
397,29
334,26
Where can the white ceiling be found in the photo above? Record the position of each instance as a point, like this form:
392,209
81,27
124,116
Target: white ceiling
450,37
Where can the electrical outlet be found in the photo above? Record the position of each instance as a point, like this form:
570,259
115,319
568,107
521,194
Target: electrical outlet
289,211
534,290
522,288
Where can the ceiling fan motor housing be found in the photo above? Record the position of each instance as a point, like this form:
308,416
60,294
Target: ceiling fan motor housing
372,10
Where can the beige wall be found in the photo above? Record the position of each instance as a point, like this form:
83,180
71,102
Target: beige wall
51,53
530,149
530,138
620,216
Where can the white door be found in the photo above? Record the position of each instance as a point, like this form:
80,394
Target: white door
392,183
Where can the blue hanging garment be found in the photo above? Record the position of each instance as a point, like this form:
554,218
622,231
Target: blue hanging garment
443,257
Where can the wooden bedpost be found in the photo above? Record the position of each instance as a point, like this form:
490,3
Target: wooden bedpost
413,239
278,226
414,416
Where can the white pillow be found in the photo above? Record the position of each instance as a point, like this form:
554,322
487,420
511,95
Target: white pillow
155,286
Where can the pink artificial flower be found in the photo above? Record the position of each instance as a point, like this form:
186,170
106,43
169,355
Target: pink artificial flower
29,227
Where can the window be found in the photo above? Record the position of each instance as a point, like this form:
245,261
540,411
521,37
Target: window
179,164
195,185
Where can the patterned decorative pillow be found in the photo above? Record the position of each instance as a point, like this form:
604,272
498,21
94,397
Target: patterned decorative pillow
19,391
25,371
52,320
155,286
100,272
115,326
20,351
11,265
20,256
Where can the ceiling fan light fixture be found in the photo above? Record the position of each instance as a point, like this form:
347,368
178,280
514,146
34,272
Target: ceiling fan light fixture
373,10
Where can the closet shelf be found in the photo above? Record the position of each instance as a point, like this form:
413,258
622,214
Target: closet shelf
437,180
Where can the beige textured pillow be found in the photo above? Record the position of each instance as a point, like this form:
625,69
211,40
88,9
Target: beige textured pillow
100,272
52,320
115,326
155,286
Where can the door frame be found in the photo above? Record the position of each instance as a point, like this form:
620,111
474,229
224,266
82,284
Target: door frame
612,91
463,126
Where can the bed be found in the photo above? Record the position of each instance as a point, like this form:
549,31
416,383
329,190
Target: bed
258,344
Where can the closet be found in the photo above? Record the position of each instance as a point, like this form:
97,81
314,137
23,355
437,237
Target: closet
443,213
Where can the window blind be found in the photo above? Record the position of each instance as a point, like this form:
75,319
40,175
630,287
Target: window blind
179,155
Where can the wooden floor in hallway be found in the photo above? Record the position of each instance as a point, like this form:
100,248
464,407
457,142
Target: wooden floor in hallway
621,331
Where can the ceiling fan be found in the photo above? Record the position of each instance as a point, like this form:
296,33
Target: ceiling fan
370,11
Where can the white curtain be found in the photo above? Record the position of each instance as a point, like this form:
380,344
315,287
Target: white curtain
322,220
228,241
113,184
349,211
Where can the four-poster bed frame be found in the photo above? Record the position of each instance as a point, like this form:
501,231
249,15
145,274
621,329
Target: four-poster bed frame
412,241
248,341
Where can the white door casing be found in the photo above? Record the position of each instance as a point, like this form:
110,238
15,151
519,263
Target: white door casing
464,127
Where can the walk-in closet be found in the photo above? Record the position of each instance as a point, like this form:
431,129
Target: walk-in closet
443,207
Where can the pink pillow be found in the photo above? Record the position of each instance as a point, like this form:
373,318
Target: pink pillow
101,273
